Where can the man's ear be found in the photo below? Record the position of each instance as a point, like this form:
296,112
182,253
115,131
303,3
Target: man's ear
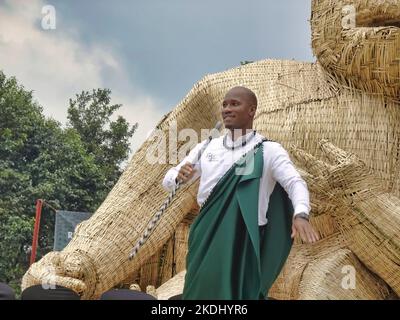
253,110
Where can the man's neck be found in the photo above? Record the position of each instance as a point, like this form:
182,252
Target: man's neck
236,133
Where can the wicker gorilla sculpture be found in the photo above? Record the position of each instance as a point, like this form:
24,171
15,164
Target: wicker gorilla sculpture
339,118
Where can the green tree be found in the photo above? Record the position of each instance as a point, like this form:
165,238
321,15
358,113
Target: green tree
41,160
108,141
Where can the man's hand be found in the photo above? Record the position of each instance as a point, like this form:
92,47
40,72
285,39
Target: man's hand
304,228
186,172
366,210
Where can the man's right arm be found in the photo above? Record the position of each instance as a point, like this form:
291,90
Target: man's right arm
169,181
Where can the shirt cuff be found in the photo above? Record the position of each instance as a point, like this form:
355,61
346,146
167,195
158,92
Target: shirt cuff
169,181
301,208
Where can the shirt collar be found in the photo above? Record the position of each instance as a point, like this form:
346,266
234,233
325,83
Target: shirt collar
239,140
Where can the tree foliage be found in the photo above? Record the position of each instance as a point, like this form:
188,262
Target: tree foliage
108,141
72,168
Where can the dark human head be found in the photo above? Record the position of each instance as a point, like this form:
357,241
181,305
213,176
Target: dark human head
238,108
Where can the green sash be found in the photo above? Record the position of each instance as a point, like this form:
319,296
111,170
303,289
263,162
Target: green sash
226,258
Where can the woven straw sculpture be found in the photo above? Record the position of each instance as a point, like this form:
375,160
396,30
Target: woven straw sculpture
339,118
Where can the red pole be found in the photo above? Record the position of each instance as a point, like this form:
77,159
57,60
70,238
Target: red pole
39,204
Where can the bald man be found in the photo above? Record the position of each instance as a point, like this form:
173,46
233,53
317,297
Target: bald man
252,203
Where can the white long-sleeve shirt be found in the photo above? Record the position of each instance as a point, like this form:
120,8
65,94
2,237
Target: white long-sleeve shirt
216,160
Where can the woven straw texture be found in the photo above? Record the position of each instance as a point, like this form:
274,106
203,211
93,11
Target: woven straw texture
357,41
339,121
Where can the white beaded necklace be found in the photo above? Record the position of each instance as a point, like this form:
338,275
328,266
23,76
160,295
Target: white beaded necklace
233,147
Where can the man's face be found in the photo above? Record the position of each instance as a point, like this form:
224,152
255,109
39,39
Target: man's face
237,111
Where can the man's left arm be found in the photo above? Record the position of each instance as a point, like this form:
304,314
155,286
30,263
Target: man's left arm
284,172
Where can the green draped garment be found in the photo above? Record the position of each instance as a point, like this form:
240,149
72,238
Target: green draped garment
228,259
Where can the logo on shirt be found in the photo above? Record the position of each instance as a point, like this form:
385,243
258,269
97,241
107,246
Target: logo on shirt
211,157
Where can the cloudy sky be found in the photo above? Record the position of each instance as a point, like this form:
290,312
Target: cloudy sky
149,53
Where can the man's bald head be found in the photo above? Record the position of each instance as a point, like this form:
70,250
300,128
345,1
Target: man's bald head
249,95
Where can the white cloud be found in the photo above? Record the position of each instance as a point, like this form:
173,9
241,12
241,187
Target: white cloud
56,65
143,111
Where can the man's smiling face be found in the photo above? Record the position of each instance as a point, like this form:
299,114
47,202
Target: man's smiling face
238,109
